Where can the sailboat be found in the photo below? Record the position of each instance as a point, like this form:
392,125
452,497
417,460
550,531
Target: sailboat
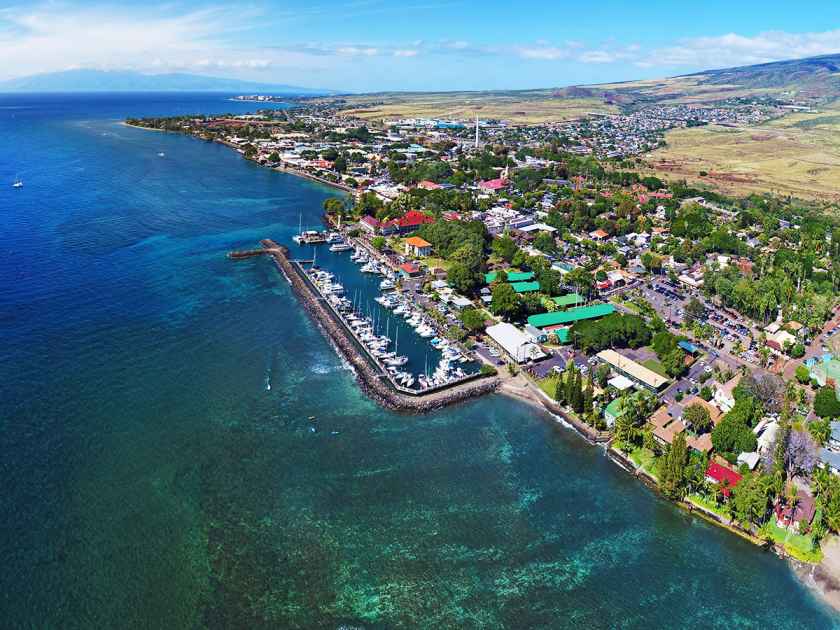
18,183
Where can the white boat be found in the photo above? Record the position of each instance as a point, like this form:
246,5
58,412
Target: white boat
18,183
387,285
333,237
340,247
161,154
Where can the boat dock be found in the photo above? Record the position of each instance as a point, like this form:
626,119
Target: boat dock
376,381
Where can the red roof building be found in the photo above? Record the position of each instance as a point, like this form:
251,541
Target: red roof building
371,224
413,220
727,477
450,216
429,185
410,269
493,184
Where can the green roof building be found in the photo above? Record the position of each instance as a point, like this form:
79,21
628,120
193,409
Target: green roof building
613,411
559,318
512,276
525,287
572,299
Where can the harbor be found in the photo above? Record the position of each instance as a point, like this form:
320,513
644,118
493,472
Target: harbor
385,375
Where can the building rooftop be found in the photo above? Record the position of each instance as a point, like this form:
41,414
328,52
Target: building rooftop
634,370
573,315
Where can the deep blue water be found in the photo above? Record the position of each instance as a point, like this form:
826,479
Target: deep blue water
151,480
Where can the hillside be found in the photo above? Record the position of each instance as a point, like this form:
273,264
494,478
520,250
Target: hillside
820,75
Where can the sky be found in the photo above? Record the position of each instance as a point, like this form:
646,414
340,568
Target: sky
381,45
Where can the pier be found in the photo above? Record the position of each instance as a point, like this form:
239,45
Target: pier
375,381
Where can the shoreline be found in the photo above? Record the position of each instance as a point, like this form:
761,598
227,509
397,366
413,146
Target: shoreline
279,169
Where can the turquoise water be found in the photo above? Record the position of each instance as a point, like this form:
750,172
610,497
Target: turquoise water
152,480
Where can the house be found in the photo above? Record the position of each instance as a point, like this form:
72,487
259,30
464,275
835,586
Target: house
516,344
799,516
667,433
410,270
369,224
720,474
613,412
429,185
493,185
416,246
536,335
629,368
725,394
412,221
598,235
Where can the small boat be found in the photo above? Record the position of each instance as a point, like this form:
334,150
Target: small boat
18,183
161,154
340,247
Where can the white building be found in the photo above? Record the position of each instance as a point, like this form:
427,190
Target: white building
516,344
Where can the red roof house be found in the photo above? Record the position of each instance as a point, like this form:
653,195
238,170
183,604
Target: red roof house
413,220
493,184
728,478
429,185
371,224
410,269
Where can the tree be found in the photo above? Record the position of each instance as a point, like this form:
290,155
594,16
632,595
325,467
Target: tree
504,247
602,375
698,417
751,498
733,435
694,310
340,164
505,301
472,319
587,398
672,468
335,206
800,453
802,374
820,430
674,362
826,404
378,243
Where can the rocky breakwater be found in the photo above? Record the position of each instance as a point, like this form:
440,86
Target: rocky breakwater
372,381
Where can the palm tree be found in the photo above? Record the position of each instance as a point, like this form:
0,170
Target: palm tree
792,500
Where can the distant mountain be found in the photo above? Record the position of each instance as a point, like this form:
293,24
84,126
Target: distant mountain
818,74
127,81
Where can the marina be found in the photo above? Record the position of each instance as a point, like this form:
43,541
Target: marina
398,337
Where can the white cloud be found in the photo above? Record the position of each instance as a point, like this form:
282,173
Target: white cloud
53,37
733,49
406,53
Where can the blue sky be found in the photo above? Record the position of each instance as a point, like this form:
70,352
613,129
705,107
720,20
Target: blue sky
369,45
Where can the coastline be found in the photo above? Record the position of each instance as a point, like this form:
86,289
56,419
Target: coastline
279,169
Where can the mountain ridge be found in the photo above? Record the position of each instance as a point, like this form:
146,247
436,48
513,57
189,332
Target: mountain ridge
131,81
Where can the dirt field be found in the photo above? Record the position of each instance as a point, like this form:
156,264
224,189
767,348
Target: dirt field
798,155
515,107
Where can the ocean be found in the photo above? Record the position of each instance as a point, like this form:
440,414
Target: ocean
180,447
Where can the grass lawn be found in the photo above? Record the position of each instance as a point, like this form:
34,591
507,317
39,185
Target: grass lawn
645,459
433,263
548,384
800,546
656,366
711,506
